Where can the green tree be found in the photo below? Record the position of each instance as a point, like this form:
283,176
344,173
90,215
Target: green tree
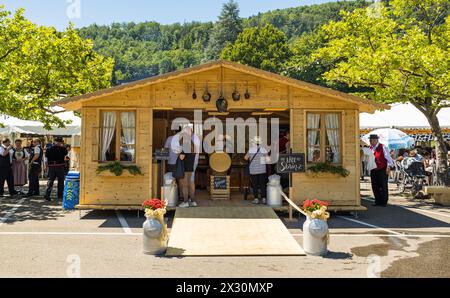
265,48
225,31
401,53
39,64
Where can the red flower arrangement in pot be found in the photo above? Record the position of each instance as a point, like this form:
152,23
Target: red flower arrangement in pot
154,205
316,209
155,229
315,229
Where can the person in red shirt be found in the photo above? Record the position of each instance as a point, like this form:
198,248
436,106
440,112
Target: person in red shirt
379,175
283,143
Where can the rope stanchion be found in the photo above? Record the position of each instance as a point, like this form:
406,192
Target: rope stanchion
292,204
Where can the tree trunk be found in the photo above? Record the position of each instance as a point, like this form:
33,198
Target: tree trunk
441,151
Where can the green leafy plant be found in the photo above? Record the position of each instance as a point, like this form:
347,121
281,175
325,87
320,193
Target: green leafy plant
329,168
117,169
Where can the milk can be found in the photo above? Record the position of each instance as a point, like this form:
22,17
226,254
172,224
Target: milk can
315,237
274,191
170,190
152,233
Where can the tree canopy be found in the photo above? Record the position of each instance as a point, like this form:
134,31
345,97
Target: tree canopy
400,53
264,48
147,49
39,64
225,31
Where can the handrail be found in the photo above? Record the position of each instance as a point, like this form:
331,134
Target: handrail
293,205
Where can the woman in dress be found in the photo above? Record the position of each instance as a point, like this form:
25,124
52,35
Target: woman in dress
19,166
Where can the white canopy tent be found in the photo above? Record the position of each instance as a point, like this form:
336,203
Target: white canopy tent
11,121
12,127
401,116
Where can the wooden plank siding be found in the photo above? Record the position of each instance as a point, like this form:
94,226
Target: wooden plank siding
177,94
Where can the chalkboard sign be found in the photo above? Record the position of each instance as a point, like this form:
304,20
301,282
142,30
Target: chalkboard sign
220,183
291,163
162,154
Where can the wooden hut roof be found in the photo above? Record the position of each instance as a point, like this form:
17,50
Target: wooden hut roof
366,105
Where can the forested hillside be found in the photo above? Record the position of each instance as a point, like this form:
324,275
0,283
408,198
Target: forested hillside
147,49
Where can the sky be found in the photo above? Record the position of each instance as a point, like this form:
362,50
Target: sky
58,13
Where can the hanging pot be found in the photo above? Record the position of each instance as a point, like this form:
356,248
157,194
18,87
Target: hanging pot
194,95
236,96
222,105
247,95
207,97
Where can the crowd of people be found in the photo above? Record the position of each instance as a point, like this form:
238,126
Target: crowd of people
21,165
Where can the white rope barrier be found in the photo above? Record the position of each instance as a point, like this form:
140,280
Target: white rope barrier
292,204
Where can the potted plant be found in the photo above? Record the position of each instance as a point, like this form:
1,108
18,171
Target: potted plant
315,228
118,169
155,233
327,169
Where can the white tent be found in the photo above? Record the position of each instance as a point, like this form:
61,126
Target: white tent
402,116
11,121
13,126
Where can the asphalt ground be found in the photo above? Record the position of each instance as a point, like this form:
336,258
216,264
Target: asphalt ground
409,238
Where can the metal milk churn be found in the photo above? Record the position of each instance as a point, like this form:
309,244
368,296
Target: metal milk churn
152,230
315,237
274,191
170,190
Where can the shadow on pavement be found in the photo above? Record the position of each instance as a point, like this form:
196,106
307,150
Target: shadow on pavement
338,255
391,217
30,209
111,220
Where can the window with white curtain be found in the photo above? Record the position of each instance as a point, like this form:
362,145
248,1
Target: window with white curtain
118,136
323,137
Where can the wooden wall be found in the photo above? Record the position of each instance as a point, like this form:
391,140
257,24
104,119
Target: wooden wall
337,190
177,94
100,190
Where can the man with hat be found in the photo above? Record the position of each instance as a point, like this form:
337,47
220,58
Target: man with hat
379,175
56,167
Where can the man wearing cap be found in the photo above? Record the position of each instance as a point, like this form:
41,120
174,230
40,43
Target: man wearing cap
56,167
379,175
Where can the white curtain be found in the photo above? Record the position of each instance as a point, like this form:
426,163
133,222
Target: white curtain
129,132
313,123
128,128
332,125
108,131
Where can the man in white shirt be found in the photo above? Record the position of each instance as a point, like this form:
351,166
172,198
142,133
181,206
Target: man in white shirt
379,175
6,173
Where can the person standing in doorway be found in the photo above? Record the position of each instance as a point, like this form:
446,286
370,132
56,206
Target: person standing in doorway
6,173
35,168
19,167
189,156
56,168
173,156
257,157
284,148
379,175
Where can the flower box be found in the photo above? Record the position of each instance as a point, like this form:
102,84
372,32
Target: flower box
323,175
109,174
